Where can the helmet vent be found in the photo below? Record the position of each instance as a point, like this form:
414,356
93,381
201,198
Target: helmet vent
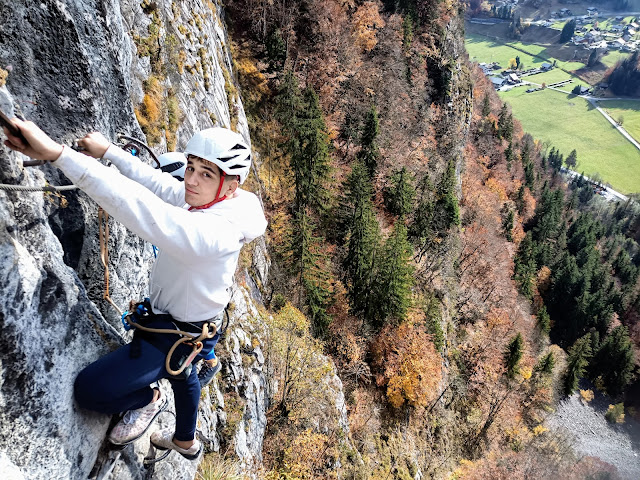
238,147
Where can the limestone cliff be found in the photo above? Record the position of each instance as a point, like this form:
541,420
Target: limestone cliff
114,66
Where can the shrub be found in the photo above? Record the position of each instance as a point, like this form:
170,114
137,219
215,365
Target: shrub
615,414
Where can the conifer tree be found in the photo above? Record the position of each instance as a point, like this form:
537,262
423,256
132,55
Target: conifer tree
486,106
513,355
524,271
394,278
447,209
370,153
545,364
507,222
572,160
544,321
308,263
399,193
577,361
508,155
505,123
310,162
520,200
307,143
568,31
421,228
362,245
614,361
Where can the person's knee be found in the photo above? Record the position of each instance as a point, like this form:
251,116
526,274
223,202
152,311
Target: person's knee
88,391
82,390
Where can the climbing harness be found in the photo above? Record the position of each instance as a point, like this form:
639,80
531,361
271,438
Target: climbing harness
140,313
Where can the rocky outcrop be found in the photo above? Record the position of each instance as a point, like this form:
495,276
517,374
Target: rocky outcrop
75,67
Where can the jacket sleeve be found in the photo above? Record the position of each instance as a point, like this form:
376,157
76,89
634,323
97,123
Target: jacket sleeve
164,185
175,230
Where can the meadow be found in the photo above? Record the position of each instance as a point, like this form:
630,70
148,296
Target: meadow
570,122
629,110
484,49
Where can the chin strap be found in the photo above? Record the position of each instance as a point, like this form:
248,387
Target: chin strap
223,175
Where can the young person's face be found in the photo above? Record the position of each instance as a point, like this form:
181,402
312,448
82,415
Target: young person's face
201,181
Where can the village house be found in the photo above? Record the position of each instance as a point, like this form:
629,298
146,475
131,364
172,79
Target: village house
498,81
618,43
593,36
546,66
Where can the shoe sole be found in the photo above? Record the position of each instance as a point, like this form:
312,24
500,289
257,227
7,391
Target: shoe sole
188,456
162,409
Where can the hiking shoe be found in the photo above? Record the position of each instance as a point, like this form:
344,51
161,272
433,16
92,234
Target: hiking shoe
207,372
163,440
135,422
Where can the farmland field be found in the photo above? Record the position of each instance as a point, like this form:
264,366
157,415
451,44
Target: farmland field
629,110
568,122
483,49
612,57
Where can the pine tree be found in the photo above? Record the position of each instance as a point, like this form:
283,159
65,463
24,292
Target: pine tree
513,355
362,246
593,58
370,153
308,263
394,278
447,210
520,200
421,228
568,31
544,321
524,271
572,160
507,222
545,364
307,143
505,123
614,361
310,162
486,106
508,155
577,361
399,193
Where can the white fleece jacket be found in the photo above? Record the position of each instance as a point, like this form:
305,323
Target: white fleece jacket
199,249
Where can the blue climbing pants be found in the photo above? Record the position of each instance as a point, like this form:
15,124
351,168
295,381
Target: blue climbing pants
120,380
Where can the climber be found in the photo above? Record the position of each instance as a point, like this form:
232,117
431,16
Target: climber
200,226
175,163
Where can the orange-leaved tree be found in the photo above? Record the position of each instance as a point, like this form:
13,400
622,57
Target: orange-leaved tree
408,364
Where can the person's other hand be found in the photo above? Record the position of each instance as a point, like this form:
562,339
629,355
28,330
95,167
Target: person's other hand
94,144
39,147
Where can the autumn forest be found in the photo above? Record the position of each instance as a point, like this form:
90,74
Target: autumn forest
431,248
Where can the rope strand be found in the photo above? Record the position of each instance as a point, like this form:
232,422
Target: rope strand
28,188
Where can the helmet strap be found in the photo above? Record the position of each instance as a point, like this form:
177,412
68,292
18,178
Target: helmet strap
223,175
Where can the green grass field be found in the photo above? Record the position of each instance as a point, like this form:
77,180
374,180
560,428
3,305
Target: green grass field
483,49
629,110
568,122
552,76
612,57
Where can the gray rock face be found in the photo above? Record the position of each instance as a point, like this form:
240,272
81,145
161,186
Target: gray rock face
74,67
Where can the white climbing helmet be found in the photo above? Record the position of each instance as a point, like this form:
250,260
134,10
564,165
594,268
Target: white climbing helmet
223,147
174,163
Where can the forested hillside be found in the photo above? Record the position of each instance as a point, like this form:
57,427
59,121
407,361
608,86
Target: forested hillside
460,286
